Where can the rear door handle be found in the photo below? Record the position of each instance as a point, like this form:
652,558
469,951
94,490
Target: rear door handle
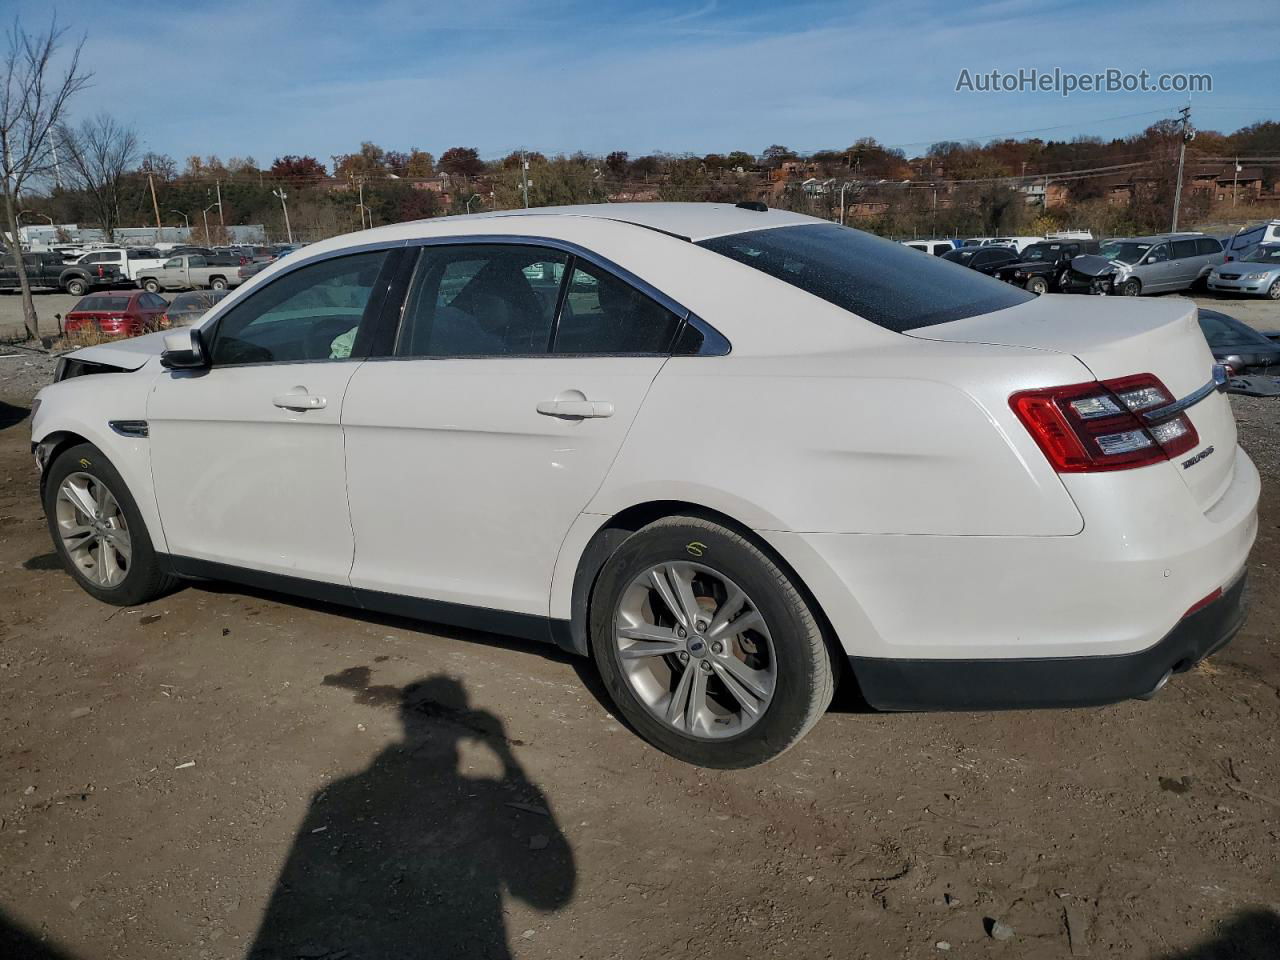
299,401
575,409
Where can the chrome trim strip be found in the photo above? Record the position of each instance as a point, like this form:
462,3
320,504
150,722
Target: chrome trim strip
1171,410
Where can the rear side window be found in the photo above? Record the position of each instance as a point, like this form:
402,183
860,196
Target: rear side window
1182,248
481,300
602,314
1207,245
878,280
103,303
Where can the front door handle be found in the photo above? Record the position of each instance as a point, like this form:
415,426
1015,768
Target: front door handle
299,401
575,409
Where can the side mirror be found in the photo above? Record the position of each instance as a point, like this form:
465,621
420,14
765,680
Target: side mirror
184,350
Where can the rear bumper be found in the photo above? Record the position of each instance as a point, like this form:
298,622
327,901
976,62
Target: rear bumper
1007,684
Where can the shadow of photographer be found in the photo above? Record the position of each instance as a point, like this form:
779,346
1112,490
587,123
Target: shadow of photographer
413,856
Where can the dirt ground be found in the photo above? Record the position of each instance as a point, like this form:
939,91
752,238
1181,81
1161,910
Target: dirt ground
224,773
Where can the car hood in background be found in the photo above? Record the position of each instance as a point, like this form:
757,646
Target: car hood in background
128,354
1092,265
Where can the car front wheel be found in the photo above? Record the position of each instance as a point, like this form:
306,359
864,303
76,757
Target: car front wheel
706,646
97,530
1038,285
151,286
1131,287
1274,290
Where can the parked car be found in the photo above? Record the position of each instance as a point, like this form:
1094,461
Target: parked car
130,261
984,259
596,433
124,313
1237,345
186,308
1258,273
1138,265
1042,266
935,247
46,270
188,272
1019,244
185,249
1241,244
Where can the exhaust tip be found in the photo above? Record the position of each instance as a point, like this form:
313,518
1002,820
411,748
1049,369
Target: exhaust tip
1158,687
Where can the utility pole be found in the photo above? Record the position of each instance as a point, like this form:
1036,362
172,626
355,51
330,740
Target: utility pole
1235,182
57,167
155,204
524,178
843,186
221,219
360,184
1188,134
279,192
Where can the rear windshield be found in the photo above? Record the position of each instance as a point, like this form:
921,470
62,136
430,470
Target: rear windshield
103,303
879,280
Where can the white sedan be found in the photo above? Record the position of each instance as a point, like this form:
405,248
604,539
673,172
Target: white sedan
731,454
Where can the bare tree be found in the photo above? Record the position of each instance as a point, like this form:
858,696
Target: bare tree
32,103
97,157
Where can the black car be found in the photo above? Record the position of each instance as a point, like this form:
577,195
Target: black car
48,270
1043,266
1237,345
983,259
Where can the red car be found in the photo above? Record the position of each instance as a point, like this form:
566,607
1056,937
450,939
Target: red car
121,312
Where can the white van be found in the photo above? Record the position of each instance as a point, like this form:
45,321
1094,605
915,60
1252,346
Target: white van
935,247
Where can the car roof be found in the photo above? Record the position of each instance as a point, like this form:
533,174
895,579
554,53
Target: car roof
688,221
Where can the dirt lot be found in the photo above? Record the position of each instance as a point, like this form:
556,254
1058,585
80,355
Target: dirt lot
222,774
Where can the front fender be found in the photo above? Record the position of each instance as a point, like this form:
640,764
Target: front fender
84,407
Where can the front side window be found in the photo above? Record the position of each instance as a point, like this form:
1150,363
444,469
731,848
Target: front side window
603,314
1158,254
313,313
481,300
174,264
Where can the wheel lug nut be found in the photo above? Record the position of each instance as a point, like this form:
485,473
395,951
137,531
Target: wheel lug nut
680,632
717,647
684,657
701,625
706,666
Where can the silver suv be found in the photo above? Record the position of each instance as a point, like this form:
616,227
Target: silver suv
1136,265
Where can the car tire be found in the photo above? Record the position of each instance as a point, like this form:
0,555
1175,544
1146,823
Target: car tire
77,287
151,286
113,559
722,715
1131,288
1038,285
217,283
1274,290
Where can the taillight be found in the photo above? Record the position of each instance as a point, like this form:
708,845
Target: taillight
1088,427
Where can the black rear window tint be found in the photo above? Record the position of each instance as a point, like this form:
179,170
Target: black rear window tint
1207,245
879,280
103,303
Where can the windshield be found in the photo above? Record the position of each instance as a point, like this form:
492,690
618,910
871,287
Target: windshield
1265,254
1039,251
103,303
1126,251
882,281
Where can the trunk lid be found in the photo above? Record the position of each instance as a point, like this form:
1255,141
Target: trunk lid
1117,338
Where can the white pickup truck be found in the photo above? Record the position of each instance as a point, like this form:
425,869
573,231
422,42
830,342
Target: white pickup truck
192,272
130,261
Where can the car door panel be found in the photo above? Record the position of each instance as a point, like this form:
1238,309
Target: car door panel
248,456
242,480
461,491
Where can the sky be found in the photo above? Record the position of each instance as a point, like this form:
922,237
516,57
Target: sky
317,77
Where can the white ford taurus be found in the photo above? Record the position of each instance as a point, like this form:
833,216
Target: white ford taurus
731,454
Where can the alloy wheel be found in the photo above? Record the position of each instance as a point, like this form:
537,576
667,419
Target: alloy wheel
695,650
93,529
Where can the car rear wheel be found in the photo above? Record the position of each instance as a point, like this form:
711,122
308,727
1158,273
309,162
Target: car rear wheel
1131,287
1038,285
217,283
97,529
77,287
151,286
706,646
